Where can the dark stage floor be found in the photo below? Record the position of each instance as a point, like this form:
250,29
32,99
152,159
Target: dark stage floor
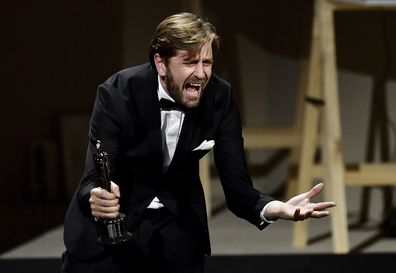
321,263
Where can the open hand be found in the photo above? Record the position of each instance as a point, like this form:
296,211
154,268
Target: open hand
300,207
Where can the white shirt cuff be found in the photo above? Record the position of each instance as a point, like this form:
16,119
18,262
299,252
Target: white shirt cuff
262,213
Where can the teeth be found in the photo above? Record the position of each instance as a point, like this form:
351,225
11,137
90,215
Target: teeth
196,84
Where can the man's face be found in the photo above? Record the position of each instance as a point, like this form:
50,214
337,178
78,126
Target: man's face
184,77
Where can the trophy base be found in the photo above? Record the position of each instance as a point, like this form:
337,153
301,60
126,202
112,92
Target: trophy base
115,241
113,231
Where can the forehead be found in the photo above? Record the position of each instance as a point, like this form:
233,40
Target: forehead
205,52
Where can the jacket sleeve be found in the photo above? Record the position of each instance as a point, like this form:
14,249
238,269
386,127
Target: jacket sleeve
104,126
242,199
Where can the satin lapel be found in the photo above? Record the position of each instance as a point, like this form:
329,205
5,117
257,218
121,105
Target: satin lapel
146,99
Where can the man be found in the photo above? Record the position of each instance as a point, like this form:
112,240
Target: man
154,157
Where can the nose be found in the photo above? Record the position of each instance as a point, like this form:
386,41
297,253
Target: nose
199,71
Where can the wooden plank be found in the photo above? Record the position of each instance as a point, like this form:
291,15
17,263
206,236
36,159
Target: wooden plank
309,130
338,5
204,174
366,174
370,178
266,137
331,136
291,189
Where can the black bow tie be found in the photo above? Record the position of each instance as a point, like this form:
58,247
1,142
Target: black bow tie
167,105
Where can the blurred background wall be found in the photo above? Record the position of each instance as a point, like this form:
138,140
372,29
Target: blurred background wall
55,53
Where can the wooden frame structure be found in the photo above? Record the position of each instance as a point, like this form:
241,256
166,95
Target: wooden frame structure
322,86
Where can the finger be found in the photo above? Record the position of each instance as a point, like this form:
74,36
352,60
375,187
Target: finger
103,202
305,213
320,214
298,199
296,215
315,190
304,198
104,215
102,193
115,189
104,211
306,195
324,205
112,209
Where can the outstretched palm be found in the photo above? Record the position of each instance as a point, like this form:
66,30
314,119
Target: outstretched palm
300,206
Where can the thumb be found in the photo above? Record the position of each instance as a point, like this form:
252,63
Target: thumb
115,189
315,190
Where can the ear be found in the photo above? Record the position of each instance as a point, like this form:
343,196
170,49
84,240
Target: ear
160,65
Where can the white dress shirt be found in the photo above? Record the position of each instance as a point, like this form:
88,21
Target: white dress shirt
171,125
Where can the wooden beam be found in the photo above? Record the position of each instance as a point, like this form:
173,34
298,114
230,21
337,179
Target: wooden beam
366,174
340,5
266,137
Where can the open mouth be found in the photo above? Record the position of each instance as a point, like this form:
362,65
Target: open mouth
193,85
193,89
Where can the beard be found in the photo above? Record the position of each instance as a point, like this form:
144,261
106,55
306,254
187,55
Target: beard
177,92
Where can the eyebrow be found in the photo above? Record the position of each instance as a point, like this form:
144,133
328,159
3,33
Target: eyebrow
188,58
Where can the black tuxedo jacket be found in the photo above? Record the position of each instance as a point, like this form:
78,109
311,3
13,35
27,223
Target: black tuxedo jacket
126,118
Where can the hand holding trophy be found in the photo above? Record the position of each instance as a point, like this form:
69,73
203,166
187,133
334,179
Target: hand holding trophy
111,231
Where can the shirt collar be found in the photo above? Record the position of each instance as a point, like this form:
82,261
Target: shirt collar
162,93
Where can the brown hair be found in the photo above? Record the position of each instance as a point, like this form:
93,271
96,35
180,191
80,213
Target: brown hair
182,31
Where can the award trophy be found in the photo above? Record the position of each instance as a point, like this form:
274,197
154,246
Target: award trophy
112,231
